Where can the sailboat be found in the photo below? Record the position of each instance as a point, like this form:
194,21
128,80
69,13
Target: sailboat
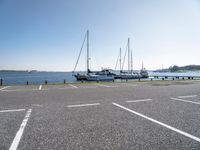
129,74
103,75
119,59
144,72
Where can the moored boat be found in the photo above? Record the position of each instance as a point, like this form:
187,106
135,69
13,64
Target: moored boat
103,75
143,72
129,74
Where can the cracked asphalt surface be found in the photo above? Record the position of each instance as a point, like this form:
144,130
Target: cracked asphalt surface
53,125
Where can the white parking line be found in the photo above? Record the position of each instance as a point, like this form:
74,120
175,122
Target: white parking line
103,85
187,96
20,90
182,100
160,123
19,134
82,105
14,110
132,84
141,100
4,88
40,87
89,87
73,86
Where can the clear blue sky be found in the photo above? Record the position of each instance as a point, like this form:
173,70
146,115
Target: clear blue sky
47,34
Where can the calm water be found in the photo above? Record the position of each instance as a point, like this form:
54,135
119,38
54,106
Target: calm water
10,78
35,77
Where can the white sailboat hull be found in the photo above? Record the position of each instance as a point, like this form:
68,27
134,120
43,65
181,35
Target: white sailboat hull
100,78
129,76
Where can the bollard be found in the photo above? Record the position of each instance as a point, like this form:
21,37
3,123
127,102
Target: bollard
192,78
163,79
46,82
189,78
172,78
151,79
1,82
183,78
64,81
27,83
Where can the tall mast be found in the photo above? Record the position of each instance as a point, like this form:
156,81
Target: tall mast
120,59
142,66
88,56
128,54
131,62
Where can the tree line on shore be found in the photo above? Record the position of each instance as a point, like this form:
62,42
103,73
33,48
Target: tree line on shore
176,68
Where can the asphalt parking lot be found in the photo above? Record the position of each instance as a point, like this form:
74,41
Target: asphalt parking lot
153,115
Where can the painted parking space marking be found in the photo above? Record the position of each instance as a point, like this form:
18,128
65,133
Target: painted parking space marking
159,123
73,86
13,110
141,100
89,87
20,90
186,101
19,133
128,84
103,85
1,89
187,96
40,87
82,105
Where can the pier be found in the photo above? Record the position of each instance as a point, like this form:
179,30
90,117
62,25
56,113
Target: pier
175,77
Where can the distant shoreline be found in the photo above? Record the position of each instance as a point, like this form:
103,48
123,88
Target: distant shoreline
177,69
